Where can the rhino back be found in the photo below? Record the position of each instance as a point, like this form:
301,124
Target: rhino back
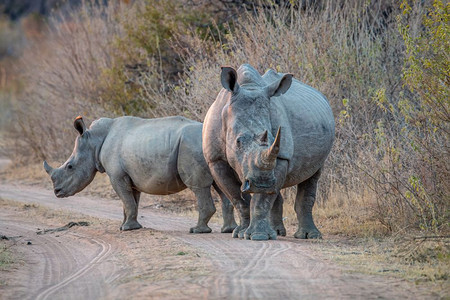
147,151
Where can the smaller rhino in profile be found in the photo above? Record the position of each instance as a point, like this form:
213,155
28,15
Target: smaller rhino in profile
154,156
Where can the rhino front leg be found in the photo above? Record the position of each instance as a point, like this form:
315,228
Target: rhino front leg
276,216
267,209
229,223
206,210
130,200
304,202
226,181
259,228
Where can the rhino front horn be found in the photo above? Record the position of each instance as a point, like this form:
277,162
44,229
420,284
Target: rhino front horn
47,168
270,157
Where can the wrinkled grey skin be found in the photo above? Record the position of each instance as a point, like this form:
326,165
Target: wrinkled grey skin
262,134
153,156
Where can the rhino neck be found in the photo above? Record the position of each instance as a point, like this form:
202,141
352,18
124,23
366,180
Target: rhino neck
98,163
98,131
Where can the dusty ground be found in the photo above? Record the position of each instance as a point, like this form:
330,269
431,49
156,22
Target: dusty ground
164,261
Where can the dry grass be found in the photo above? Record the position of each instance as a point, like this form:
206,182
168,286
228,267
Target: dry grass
349,50
50,217
59,74
353,53
425,262
337,52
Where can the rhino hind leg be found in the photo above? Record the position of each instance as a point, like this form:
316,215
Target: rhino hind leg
130,200
137,196
304,202
276,216
206,210
229,223
134,224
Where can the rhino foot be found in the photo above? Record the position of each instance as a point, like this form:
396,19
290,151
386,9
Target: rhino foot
307,233
238,232
130,225
228,229
200,229
280,229
261,231
261,236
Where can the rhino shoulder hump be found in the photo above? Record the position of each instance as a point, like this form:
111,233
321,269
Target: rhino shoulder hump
270,76
102,122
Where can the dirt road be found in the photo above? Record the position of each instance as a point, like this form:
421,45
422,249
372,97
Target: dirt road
92,264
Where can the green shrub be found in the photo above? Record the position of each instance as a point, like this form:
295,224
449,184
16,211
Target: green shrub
415,161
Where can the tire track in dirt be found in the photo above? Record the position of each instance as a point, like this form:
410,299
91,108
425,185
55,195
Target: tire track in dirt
103,253
57,263
243,265
286,268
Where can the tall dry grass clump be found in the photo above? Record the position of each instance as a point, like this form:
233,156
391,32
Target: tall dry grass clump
99,60
60,75
334,49
353,52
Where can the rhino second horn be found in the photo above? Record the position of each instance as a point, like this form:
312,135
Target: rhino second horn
47,168
263,138
270,156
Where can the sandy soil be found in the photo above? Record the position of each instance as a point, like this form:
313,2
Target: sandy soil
164,260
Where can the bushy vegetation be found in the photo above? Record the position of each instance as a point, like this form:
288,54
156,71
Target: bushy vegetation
412,137
383,67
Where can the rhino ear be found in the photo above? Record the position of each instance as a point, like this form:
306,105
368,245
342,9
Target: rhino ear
79,125
228,77
279,87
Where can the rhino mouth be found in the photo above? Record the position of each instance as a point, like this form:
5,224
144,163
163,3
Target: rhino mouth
60,193
261,188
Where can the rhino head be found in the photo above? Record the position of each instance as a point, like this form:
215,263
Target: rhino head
80,169
251,148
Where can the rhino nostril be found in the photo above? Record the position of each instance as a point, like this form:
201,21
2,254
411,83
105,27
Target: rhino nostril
246,186
57,191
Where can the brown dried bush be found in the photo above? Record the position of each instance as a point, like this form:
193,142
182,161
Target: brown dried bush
354,54
60,72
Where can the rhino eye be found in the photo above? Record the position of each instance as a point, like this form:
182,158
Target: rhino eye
241,140
69,166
